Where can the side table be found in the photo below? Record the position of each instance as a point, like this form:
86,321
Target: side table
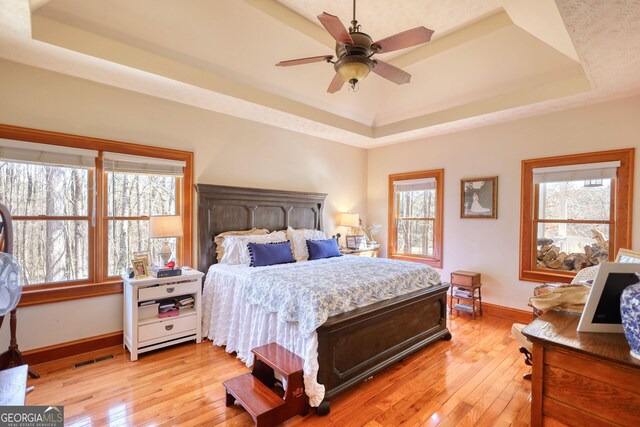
369,251
466,286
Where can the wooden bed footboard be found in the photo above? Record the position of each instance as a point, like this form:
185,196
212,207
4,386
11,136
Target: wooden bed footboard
354,346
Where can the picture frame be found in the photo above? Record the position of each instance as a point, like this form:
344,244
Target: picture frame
357,241
479,197
143,254
140,268
628,256
602,309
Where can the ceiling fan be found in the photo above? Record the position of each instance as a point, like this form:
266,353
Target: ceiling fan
355,49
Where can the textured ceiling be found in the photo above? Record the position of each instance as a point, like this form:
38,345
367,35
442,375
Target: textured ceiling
489,61
382,18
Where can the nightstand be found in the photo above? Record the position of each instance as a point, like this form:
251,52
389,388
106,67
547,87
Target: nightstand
466,289
143,329
369,251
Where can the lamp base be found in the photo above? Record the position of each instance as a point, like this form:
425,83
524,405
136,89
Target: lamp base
165,252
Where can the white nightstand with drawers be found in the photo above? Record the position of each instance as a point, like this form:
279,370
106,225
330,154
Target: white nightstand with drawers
145,331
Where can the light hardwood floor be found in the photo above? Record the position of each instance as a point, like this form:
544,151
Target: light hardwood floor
474,379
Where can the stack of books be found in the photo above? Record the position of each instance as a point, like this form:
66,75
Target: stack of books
160,271
186,301
167,308
461,293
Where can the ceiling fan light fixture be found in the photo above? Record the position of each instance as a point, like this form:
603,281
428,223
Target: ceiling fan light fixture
353,71
354,50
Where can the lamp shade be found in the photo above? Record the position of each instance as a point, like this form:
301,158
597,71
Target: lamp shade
349,219
165,226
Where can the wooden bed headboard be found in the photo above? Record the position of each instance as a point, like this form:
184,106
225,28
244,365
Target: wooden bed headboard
222,208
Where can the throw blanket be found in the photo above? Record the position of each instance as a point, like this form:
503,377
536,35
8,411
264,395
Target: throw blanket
569,298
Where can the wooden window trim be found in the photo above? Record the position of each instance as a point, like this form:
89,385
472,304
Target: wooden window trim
435,261
98,283
623,212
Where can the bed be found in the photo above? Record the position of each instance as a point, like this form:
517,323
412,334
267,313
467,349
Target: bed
352,346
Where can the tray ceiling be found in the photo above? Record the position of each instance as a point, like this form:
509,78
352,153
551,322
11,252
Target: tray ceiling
488,61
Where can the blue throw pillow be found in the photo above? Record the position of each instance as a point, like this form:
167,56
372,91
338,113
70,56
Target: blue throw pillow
263,254
319,249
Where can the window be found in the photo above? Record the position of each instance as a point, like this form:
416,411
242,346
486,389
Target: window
575,213
415,216
79,214
137,188
48,195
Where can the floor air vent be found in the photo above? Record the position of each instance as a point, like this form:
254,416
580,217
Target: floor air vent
85,363
91,361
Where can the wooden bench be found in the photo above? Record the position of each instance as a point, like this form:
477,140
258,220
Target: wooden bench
259,392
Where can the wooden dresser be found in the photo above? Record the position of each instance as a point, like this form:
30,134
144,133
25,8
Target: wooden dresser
581,379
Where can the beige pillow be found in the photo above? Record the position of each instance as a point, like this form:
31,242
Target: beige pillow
299,239
219,239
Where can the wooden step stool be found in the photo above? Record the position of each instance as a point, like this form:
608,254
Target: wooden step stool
256,390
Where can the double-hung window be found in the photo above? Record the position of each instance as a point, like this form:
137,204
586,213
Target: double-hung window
49,192
81,214
415,216
578,213
137,188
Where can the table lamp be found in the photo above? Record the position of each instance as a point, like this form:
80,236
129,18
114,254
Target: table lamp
349,219
164,227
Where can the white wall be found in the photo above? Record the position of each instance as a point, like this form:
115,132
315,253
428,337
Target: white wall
492,246
228,151
232,151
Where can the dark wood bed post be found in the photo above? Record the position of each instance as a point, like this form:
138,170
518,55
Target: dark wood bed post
347,353
12,357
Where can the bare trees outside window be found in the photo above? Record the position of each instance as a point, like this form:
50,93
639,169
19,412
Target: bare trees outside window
131,200
51,211
415,216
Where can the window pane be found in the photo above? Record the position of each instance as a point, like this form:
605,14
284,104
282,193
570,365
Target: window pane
415,237
140,195
126,237
52,251
417,204
584,200
32,190
568,246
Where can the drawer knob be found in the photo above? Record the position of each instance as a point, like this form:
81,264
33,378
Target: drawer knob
170,290
168,327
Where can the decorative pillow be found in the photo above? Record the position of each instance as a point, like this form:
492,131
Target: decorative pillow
263,254
219,239
236,250
319,249
298,240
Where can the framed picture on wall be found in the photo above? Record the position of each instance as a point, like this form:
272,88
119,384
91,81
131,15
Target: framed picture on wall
479,197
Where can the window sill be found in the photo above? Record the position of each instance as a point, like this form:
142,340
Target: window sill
544,276
67,292
435,263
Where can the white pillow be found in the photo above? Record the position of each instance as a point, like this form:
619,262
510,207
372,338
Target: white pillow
236,250
299,239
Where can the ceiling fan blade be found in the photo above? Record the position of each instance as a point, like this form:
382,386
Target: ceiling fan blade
335,27
301,61
391,72
336,84
404,39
